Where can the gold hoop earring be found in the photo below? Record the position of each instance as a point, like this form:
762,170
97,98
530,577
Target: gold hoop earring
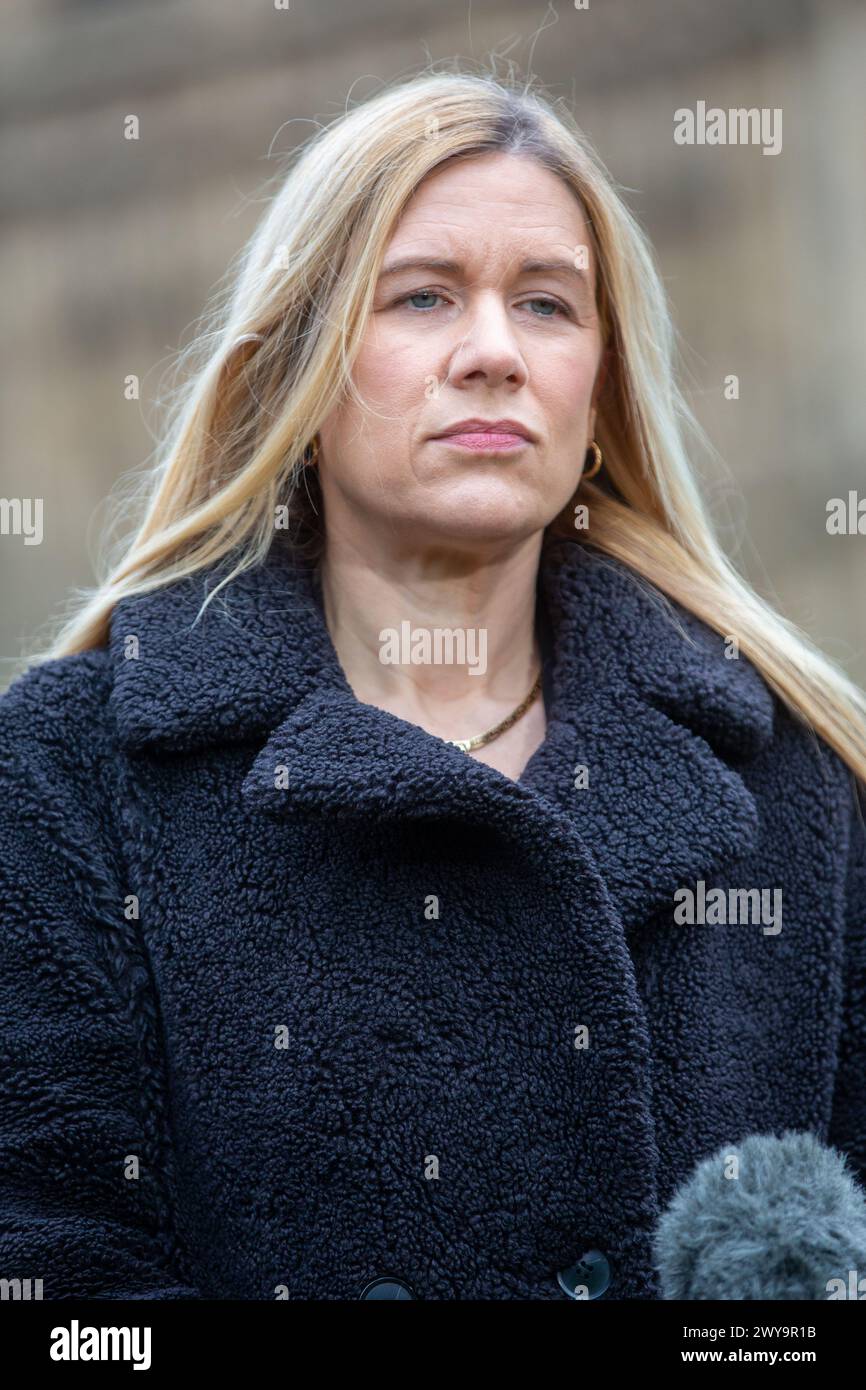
591,472
311,453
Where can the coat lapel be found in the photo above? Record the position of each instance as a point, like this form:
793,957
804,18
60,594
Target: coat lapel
664,725
642,698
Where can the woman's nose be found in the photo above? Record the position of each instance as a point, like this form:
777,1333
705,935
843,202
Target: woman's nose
487,350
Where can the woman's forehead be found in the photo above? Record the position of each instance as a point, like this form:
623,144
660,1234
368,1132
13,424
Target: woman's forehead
497,258
517,187
492,210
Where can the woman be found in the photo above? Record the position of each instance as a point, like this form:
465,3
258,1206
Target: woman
423,849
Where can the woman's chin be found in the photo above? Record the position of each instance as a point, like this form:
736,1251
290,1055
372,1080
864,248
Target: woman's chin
463,527
496,509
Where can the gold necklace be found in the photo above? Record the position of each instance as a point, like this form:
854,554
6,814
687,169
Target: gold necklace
479,739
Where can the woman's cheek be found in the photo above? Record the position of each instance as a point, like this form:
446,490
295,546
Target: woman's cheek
567,404
393,376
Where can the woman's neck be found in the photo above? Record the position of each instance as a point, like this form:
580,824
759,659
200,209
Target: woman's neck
450,646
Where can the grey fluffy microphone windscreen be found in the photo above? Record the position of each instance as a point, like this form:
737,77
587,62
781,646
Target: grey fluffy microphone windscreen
765,1218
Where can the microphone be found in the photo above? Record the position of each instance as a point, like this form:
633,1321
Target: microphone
765,1218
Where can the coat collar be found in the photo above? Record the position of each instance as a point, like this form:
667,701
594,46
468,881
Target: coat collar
641,694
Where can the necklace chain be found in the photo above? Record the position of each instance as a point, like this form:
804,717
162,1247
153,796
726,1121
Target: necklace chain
478,740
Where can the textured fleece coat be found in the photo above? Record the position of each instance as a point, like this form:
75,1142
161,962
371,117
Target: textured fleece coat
296,995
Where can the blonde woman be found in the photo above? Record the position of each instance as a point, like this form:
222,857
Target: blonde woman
423,850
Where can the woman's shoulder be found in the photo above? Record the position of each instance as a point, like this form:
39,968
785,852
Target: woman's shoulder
55,724
707,683
61,870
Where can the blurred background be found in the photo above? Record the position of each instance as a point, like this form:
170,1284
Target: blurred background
110,248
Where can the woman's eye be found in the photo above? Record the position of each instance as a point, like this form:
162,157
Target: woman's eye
420,294
541,305
552,304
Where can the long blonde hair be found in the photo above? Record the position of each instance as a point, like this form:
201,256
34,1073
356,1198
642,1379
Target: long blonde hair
276,351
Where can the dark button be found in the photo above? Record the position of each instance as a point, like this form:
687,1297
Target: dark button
387,1287
587,1278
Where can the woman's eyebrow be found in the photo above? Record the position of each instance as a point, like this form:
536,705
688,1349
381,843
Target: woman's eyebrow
530,267
556,267
419,263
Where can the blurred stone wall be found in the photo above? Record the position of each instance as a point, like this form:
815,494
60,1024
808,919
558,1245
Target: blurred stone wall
110,248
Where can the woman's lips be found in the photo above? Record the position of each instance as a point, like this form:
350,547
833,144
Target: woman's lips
486,442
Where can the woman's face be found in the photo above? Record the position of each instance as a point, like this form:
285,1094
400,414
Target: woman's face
489,338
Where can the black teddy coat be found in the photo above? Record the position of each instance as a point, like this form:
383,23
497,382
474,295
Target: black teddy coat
296,996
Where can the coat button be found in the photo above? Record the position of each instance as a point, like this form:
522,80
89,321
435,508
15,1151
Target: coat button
588,1278
387,1287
